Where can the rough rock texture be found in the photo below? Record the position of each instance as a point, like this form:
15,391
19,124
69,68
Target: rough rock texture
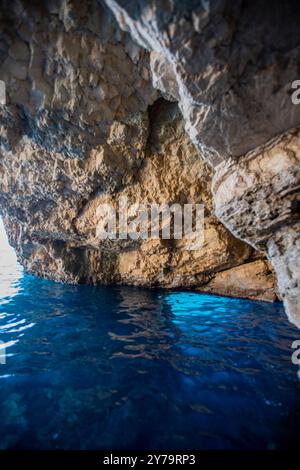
258,199
253,280
231,65
83,126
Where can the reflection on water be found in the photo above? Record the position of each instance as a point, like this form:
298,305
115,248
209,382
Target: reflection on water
10,270
130,368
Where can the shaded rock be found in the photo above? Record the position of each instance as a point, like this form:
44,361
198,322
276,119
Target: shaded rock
83,125
253,280
233,62
55,233
258,200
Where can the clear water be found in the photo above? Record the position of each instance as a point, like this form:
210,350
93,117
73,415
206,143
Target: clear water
126,368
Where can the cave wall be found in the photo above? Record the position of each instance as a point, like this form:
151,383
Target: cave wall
153,114
229,63
231,66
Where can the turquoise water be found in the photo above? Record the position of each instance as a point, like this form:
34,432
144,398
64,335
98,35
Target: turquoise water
127,368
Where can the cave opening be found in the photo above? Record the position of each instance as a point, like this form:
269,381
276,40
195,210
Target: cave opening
7,253
10,270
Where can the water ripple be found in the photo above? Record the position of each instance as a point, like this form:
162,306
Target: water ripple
116,367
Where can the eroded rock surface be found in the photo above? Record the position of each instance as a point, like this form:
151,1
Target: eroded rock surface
82,126
253,280
231,66
258,200
232,61
92,115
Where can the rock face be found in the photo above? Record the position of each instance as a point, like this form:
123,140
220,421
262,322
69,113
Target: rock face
255,279
258,199
231,66
92,116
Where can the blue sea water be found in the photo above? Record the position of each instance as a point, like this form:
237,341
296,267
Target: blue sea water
128,368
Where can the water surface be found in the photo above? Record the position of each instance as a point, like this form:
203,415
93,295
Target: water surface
127,368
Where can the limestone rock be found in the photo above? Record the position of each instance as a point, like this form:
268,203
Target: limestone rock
83,125
56,232
234,62
258,200
254,280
